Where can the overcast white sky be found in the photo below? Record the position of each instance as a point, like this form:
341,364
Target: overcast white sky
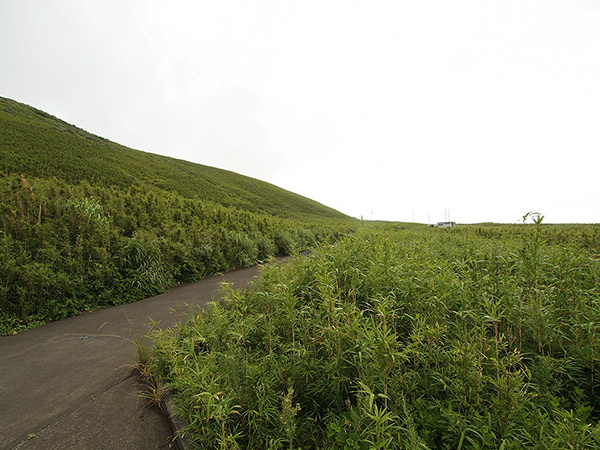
391,110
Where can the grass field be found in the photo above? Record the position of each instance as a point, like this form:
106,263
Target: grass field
479,337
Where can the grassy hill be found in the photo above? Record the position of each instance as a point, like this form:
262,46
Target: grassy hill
86,223
37,144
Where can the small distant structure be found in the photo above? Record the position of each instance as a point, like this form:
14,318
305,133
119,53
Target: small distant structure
445,224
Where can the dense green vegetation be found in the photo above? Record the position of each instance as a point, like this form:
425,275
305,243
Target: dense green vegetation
471,338
85,223
39,145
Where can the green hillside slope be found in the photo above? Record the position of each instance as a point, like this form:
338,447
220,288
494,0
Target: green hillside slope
86,223
37,144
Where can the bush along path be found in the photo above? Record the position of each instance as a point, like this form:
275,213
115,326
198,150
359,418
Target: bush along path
70,248
478,337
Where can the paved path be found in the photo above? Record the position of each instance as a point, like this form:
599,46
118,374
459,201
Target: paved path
69,384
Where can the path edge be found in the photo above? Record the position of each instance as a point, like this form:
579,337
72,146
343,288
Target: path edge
176,424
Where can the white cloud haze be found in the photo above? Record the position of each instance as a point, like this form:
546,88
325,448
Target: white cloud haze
386,109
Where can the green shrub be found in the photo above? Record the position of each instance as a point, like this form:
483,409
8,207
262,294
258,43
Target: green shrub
67,248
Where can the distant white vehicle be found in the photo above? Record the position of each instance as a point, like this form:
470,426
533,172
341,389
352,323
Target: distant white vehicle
446,224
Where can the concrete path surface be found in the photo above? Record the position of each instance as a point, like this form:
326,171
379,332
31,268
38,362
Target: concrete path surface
69,384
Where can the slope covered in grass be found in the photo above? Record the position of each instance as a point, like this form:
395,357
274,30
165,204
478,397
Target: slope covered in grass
39,145
86,223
